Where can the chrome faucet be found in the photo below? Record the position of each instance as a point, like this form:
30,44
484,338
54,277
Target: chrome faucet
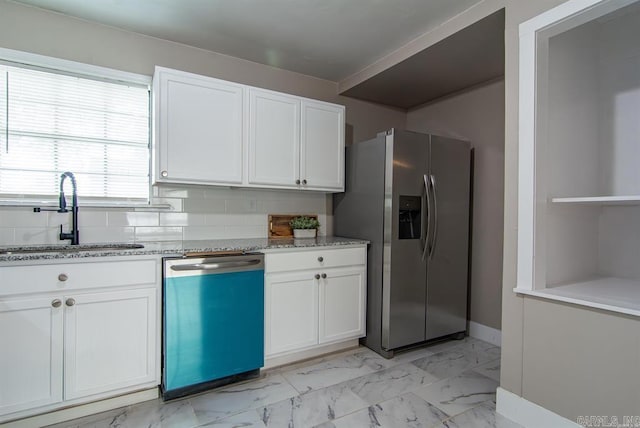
74,234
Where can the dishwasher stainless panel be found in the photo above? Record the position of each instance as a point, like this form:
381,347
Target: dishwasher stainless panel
213,322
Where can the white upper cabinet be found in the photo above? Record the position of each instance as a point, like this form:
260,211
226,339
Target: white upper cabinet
579,155
274,139
295,143
322,146
199,129
209,131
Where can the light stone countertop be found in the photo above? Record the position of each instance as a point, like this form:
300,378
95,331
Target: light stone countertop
51,252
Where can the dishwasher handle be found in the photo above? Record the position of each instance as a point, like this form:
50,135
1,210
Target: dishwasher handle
217,265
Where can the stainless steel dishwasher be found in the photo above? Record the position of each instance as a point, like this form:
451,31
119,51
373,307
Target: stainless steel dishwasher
213,322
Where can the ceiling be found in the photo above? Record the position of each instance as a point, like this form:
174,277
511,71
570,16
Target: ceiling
329,39
472,56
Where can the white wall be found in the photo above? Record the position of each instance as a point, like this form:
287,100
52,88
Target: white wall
197,212
619,102
619,73
477,115
568,153
572,116
592,149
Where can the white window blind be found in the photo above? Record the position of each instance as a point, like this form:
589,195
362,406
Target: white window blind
52,122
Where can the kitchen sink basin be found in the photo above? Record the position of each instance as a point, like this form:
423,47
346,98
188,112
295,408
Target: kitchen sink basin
69,248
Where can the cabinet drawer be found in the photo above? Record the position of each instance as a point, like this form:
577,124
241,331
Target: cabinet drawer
314,259
73,276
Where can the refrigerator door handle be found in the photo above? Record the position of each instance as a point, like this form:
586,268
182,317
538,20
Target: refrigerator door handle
428,217
434,240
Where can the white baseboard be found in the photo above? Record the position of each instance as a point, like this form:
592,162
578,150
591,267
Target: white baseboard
294,357
529,414
485,333
80,411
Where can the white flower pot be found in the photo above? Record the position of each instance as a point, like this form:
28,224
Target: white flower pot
304,233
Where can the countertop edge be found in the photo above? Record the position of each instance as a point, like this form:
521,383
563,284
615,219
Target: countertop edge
176,248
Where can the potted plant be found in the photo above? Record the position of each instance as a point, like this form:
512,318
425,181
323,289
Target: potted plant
304,227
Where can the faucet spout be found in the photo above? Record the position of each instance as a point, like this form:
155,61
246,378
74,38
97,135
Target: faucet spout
74,234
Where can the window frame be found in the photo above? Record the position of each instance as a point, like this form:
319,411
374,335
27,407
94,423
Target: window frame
45,63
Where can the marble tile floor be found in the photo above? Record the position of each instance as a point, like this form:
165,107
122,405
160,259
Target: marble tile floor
450,384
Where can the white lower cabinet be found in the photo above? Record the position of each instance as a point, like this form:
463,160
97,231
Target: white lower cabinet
65,342
107,341
31,356
291,312
318,299
342,299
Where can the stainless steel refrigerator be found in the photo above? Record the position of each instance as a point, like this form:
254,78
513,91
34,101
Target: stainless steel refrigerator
409,195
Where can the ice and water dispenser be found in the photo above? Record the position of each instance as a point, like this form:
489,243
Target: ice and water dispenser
409,217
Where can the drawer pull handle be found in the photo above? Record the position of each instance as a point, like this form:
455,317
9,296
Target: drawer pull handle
56,303
70,301
324,275
63,277
317,276
320,259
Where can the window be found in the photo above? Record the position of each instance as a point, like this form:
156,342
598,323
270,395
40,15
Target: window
52,122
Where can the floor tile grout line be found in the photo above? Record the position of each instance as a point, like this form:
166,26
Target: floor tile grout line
464,411
404,392
375,367
410,391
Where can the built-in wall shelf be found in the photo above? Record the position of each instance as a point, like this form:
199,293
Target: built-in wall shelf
600,200
579,156
612,294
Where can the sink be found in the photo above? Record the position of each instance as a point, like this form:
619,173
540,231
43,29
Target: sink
69,248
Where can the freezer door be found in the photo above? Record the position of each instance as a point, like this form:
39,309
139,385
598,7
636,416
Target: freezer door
404,270
448,244
358,213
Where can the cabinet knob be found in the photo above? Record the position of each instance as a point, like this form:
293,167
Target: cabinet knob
324,275
321,259
304,181
56,303
164,174
297,181
63,277
317,276
70,301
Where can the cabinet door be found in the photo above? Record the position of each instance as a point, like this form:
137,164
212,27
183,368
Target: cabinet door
322,146
31,354
274,139
199,125
291,312
110,341
342,304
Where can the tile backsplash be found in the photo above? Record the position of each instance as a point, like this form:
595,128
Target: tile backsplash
196,212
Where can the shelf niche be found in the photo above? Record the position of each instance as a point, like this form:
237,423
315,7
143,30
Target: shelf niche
584,179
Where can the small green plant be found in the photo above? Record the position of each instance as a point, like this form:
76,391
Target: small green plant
304,222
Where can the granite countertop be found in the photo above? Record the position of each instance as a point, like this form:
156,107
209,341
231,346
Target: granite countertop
42,252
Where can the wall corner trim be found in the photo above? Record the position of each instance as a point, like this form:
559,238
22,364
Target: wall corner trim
485,333
528,414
